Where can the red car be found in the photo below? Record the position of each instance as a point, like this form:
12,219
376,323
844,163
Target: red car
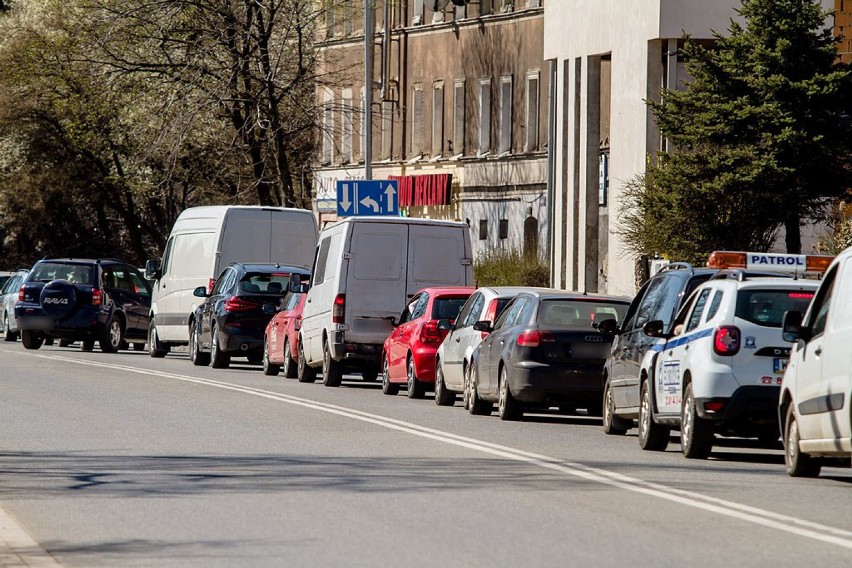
409,352
281,338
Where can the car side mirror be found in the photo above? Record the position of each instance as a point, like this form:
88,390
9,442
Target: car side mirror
483,326
792,330
445,325
200,292
609,326
152,269
270,309
653,328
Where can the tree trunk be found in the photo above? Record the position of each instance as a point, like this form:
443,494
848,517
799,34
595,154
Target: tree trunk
793,233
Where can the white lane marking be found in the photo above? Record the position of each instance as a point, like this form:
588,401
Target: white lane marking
776,521
20,548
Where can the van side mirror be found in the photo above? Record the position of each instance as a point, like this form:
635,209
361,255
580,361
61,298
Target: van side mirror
152,269
653,328
609,326
200,292
792,330
295,284
483,326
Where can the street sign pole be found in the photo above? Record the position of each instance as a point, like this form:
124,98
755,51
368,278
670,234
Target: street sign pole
368,89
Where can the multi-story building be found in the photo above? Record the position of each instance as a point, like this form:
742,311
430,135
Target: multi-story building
460,113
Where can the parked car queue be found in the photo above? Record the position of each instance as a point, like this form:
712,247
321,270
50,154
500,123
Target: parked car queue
699,350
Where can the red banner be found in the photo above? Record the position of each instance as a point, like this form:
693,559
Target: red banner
431,189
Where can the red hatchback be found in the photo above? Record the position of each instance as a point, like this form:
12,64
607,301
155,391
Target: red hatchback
281,337
409,351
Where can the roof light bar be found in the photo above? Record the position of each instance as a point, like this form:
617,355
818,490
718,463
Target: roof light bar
790,263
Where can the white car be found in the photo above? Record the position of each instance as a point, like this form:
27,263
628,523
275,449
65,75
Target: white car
720,369
815,406
453,358
8,297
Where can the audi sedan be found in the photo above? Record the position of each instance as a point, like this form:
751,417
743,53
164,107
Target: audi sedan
544,350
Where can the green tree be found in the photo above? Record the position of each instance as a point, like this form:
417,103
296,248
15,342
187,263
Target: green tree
761,138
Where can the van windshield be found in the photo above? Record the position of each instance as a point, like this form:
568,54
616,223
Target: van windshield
767,307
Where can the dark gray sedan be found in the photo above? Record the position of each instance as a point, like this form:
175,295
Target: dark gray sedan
544,350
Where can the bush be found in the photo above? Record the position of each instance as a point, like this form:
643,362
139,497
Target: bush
510,268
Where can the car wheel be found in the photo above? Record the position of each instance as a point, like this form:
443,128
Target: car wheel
443,395
696,434
476,405
797,463
370,373
218,359
388,388
112,336
508,408
612,425
31,339
8,334
197,357
87,345
466,387
269,369
155,348
305,373
288,367
652,436
332,371
414,386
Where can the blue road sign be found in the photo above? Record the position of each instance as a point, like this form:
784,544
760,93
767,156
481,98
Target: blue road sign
361,197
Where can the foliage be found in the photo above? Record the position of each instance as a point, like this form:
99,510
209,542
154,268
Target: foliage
837,235
761,138
510,268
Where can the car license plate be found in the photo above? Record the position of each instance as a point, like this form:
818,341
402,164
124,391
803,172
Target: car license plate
779,365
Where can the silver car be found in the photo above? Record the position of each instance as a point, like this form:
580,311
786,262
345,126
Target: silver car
454,354
8,297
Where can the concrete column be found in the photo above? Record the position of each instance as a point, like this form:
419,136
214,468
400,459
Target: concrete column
590,120
571,138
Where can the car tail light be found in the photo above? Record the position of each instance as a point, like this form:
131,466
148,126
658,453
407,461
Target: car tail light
533,338
430,333
714,406
97,296
210,284
726,340
339,309
237,304
297,324
22,293
490,315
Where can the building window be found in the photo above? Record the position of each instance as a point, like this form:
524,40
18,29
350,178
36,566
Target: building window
348,17
485,7
483,229
327,130
460,12
387,129
358,139
417,16
505,144
346,127
458,119
506,5
484,116
417,121
329,22
534,4
503,229
438,119
531,126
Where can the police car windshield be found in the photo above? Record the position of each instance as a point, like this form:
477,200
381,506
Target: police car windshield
767,307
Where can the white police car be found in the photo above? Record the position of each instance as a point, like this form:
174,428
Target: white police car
720,369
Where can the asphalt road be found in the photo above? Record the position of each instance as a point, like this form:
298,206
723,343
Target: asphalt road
124,460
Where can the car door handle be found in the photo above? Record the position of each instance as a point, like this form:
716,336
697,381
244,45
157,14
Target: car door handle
458,339
686,348
818,351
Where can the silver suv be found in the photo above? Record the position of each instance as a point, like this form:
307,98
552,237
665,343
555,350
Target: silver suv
8,297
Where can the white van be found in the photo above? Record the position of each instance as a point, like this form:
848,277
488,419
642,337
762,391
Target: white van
205,240
366,268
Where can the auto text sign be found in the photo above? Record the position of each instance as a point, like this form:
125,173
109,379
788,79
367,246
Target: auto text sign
362,197
774,261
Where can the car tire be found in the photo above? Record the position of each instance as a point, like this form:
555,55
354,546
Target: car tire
304,372
477,406
269,369
388,388
508,408
8,334
155,349
443,395
652,436
112,336
415,388
218,359
797,463
612,425
31,339
87,345
370,373
466,387
198,357
288,367
332,371
696,433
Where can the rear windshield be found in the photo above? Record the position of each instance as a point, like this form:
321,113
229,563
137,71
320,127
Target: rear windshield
767,307
579,313
264,283
448,307
73,273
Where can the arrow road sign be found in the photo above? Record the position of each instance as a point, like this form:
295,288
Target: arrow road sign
362,197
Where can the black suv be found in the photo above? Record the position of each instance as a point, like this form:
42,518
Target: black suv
107,301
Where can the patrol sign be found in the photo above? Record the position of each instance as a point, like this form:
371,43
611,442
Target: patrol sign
791,262
363,197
